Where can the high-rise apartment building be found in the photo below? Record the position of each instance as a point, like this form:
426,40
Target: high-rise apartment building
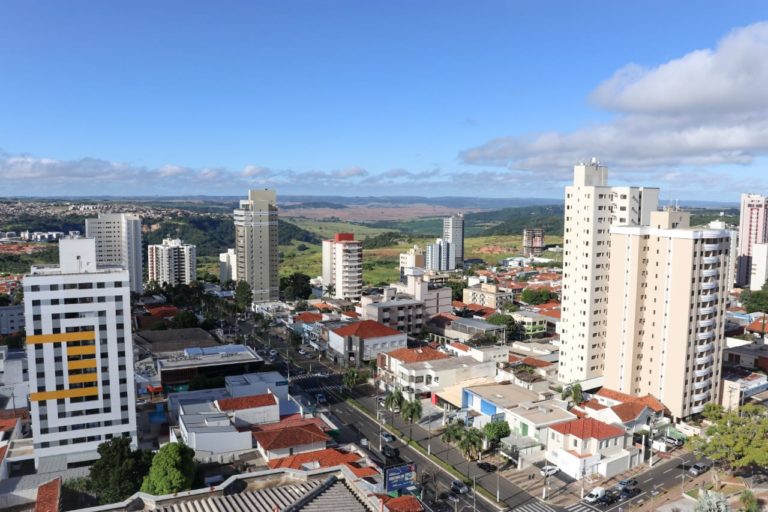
413,258
453,233
753,229
227,266
343,266
759,274
591,208
666,311
172,262
533,241
440,256
256,244
118,242
80,355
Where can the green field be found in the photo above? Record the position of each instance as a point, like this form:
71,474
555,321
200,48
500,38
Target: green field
326,229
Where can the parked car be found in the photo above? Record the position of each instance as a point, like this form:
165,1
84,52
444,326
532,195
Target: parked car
302,352
273,352
672,441
320,397
387,437
459,487
487,467
381,401
390,451
698,468
594,495
611,496
549,470
629,483
448,496
628,494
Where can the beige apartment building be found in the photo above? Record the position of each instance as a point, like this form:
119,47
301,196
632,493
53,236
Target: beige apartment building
256,244
591,208
172,262
343,266
413,258
753,229
488,295
667,311
118,242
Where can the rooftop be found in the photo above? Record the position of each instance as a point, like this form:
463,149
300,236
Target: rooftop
438,365
49,496
209,356
174,340
648,400
366,329
416,355
588,428
246,402
504,395
545,412
327,458
289,437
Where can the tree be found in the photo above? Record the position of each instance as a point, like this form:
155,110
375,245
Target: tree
713,411
173,469
711,501
749,501
243,295
471,443
394,400
184,319
495,431
453,432
5,300
295,287
351,378
575,392
457,289
119,471
329,290
535,296
411,411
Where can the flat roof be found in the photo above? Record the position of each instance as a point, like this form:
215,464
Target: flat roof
504,395
544,412
478,324
210,356
174,340
443,364
208,423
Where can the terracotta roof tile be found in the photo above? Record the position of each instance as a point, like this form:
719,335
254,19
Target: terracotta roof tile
551,313
366,329
628,411
351,314
759,325
307,317
587,428
327,458
648,400
514,359
7,424
49,496
536,363
246,402
594,405
458,304
460,346
288,437
403,503
416,355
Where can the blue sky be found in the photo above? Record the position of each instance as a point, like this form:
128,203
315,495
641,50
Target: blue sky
355,98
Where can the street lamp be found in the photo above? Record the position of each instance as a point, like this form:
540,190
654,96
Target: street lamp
474,492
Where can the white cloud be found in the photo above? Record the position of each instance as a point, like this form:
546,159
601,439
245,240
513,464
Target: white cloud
707,108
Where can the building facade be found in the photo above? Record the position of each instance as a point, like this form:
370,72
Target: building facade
666,313
256,244
533,241
80,354
440,256
11,319
413,258
227,266
172,262
488,295
343,266
591,208
753,229
118,242
759,263
453,233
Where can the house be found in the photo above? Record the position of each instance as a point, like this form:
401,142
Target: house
611,397
358,342
390,363
587,446
357,462
495,353
422,378
447,328
739,385
489,295
250,410
533,324
489,401
633,416
279,441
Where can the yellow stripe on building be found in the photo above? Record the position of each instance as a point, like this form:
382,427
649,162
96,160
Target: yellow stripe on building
80,351
83,377
64,393
82,364
37,339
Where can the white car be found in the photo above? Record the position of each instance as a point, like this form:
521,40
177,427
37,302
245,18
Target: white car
387,437
302,352
273,352
549,470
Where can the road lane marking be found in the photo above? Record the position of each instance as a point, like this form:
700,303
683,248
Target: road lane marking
667,471
646,481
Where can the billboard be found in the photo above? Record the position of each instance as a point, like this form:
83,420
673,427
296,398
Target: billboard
399,477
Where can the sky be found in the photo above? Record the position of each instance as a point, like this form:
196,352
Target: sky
486,99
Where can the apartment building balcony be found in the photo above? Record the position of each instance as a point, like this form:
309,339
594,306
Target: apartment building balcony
709,285
703,299
710,272
704,395
710,247
700,349
701,384
696,409
710,260
707,310
704,372
709,322
704,359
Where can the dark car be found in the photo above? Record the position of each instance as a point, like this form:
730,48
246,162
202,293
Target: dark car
487,467
629,483
628,494
390,451
459,487
450,497
611,496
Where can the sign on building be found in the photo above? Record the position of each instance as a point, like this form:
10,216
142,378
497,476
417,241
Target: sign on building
400,477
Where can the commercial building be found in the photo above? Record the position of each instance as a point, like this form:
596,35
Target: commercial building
118,242
759,270
176,371
256,244
413,258
488,295
343,266
172,262
80,355
441,256
435,296
591,208
533,242
453,233
14,379
666,311
358,342
402,313
11,319
740,385
753,229
227,266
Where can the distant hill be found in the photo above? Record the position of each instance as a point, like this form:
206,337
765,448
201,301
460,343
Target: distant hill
512,221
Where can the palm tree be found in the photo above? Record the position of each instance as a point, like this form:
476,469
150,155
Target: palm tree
330,290
351,378
471,442
411,411
394,400
453,432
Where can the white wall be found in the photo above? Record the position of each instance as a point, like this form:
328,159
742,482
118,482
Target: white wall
257,415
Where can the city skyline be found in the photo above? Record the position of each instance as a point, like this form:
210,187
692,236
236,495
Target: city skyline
354,99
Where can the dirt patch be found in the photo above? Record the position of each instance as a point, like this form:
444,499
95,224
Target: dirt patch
495,249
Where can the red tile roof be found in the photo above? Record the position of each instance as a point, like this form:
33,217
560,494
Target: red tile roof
759,325
594,405
648,400
308,317
366,329
458,304
536,363
416,355
628,411
403,503
246,402
162,311
351,314
7,425
327,458
49,496
323,306
551,313
460,346
288,437
588,428
3,449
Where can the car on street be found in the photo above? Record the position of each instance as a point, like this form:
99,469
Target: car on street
628,494
672,441
381,401
611,496
387,437
549,470
448,496
596,494
321,400
390,451
698,469
487,467
629,483
273,352
459,487
302,352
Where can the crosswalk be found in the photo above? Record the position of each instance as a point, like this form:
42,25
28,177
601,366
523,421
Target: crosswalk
538,506
580,507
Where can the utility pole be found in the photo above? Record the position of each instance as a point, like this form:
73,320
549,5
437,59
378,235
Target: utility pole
474,493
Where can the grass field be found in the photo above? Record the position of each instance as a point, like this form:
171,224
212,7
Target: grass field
326,229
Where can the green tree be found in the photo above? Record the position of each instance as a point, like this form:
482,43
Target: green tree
495,431
5,300
457,289
329,290
411,411
393,400
119,471
184,319
535,296
173,469
453,432
713,411
243,296
295,287
711,501
574,392
351,378
471,443
749,501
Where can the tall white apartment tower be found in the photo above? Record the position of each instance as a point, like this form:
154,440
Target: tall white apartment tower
227,266
440,256
591,208
172,262
80,355
453,233
753,229
256,244
666,311
118,242
343,266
